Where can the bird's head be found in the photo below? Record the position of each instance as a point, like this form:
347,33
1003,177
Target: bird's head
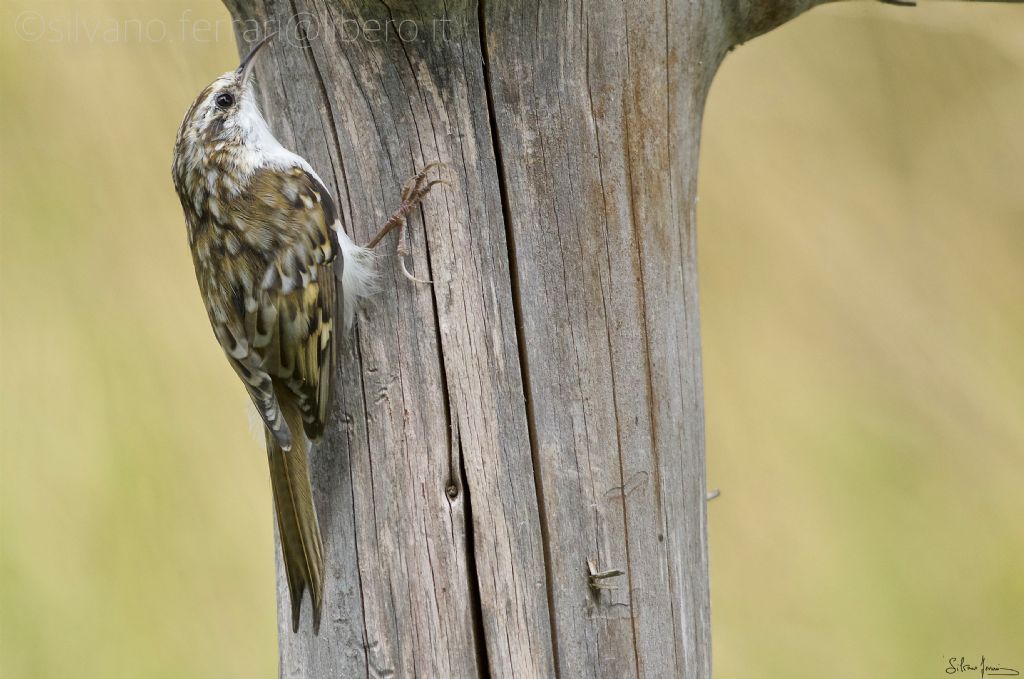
224,118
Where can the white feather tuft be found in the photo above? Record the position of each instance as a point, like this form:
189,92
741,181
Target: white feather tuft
358,275
256,427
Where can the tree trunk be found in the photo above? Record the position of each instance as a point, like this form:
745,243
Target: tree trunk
534,416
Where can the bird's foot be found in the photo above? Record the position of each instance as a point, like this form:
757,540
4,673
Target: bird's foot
413,192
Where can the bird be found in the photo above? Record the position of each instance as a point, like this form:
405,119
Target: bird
281,280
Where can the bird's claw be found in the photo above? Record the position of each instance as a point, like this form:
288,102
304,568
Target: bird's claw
413,192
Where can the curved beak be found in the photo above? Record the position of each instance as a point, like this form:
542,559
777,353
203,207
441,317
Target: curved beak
245,68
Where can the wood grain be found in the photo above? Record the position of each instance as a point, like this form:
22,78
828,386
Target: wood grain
539,406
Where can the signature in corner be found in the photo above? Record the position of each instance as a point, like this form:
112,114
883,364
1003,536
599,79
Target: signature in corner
957,665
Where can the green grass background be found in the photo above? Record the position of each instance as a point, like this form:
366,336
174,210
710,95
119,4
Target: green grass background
861,228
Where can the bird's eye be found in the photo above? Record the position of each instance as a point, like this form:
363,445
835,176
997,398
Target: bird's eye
224,100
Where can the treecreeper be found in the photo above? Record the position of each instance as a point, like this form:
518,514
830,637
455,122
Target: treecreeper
281,281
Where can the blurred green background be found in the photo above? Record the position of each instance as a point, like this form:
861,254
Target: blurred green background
862,238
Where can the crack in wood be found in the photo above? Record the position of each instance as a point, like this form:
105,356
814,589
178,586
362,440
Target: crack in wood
472,575
514,280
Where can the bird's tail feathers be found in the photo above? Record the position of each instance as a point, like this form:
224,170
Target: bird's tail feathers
298,527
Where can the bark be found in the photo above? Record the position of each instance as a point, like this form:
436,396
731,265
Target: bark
539,406
534,416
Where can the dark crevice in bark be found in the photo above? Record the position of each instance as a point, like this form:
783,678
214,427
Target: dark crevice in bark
456,480
325,96
308,50
517,311
446,404
352,484
476,608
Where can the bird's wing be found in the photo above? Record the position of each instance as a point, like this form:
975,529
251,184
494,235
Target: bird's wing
284,302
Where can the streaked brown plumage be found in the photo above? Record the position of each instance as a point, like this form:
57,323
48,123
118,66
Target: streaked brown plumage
265,242
270,254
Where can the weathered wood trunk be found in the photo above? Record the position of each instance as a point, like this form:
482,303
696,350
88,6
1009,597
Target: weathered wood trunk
538,410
